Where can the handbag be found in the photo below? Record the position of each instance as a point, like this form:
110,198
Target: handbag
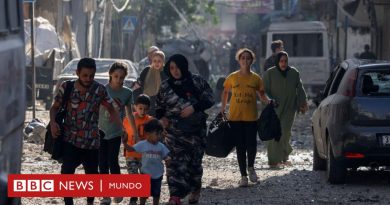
55,146
219,140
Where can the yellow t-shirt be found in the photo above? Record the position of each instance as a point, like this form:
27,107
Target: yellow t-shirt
243,102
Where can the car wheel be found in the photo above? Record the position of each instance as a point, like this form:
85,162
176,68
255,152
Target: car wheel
319,164
336,171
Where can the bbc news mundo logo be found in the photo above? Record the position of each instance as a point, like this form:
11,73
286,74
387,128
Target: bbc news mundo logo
33,185
78,185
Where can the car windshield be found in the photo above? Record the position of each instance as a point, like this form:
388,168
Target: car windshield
376,83
102,67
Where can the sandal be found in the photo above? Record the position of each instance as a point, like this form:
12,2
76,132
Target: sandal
194,197
174,200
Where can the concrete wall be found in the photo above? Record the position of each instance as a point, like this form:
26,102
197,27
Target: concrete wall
385,35
356,42
381,36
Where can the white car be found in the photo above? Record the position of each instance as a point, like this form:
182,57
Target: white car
102,67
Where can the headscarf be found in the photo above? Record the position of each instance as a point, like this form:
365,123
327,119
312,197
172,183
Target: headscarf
185,85
277,59
152,82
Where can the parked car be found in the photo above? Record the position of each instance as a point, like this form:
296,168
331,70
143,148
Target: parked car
351,125
101,76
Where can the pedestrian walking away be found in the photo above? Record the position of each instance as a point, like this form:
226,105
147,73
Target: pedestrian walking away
244,86
181,103
283,84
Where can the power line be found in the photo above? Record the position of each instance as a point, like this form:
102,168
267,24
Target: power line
120,9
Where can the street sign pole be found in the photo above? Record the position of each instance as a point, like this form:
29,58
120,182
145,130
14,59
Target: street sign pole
34,91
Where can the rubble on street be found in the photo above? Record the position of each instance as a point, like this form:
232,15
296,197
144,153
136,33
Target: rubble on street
297,184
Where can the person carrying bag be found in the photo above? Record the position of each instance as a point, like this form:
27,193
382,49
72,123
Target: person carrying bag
55,146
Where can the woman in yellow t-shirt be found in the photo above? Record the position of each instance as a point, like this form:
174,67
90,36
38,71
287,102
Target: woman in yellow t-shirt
244,86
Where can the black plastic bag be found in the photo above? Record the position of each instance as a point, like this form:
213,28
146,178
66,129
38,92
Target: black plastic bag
219,141
268,125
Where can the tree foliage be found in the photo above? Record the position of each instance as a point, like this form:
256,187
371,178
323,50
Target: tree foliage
160,13
152,15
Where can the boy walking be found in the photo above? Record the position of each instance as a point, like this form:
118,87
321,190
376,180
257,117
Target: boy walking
81,132
133,159
153,152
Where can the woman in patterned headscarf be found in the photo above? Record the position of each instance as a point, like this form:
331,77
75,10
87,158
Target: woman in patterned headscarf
181,102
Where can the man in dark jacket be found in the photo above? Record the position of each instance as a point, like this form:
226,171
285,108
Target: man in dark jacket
276,47
367,54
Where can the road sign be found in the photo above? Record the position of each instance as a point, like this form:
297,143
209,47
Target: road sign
129,23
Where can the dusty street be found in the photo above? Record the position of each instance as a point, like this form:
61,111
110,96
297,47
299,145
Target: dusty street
294,185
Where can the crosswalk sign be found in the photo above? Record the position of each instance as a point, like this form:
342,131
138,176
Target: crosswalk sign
129,23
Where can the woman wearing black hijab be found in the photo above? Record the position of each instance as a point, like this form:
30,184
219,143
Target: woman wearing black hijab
181,102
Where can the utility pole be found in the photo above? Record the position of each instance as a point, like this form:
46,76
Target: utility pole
90,8
337,36
33,82
346,37
90,34
106,52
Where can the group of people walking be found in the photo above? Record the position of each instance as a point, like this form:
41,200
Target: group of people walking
167,121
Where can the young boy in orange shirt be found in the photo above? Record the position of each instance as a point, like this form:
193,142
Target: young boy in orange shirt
133,159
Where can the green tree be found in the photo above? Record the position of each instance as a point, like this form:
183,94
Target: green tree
153,14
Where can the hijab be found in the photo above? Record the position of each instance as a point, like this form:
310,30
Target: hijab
152,81
277,59
183,87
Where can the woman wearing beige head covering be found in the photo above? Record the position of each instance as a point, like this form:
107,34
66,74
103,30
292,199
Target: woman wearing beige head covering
151,77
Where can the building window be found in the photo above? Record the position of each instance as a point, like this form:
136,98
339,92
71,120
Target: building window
302,44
